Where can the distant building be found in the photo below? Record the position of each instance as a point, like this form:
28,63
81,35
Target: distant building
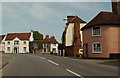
36,45
2,44
50,45
18,42
72,35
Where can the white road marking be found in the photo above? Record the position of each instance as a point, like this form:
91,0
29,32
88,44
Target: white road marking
74,73
42,58
53,62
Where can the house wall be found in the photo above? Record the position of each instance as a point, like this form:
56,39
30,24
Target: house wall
31,37
45,47
81,36
2,45
73,38
69,35
21,45
108,39
54,46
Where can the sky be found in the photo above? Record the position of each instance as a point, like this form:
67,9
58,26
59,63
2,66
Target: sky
46,17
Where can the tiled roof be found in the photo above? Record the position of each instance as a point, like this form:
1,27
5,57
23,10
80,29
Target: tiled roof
104,18
53,40
50,40
21,36
77,19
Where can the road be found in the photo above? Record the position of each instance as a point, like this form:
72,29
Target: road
50,65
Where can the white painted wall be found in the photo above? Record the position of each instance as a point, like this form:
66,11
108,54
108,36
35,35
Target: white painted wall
21,46
31,37
2,45
45,47
82,25
54,46
69,34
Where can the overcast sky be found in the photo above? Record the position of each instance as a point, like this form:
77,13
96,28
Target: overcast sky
46,17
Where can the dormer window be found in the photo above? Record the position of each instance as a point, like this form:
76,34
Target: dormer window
96,31
16,42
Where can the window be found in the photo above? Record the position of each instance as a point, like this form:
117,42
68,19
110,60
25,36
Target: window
45,45
16,42
8,43
24,48
54,44
96,47
8,48
96,31
24,42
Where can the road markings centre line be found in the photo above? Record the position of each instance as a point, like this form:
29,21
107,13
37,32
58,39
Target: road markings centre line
74,73
53,62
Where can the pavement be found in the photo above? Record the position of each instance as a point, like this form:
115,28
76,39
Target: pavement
108,62
51,65
5,58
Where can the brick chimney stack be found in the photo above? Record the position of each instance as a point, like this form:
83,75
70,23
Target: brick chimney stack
116,6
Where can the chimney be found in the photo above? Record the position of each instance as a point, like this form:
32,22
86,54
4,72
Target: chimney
69,18
116,6
47,37
52,37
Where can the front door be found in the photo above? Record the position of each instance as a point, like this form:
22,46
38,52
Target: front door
86,50
16,49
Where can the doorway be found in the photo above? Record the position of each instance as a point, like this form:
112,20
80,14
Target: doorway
86,50
16,49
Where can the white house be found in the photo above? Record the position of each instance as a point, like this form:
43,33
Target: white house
18,42
50,45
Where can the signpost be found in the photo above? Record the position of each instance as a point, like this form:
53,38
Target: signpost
35,47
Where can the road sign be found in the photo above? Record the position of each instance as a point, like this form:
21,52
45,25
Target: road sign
35,45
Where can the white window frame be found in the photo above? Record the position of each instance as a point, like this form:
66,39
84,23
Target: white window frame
16,42
25,49
100,31
93,47
54,44
7,48
45,45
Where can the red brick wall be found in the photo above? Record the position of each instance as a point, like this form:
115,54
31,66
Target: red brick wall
77,43
108,38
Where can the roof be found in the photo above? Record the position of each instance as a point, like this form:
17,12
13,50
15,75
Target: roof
73,19
21,36
1,37
104,18
50,40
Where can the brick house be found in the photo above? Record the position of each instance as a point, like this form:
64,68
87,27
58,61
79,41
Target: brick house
71,37
100,36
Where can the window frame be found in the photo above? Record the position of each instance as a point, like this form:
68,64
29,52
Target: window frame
93,30
8,48
94,47
25,49
16,42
